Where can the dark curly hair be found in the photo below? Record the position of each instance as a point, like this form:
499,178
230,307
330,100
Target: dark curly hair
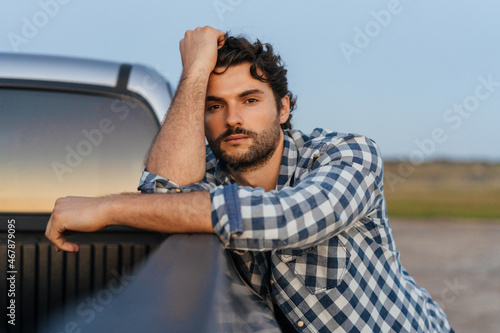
238,50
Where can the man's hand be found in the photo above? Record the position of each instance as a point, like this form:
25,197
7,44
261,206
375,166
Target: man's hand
199,49
73,214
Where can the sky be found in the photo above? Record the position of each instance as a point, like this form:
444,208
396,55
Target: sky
420,78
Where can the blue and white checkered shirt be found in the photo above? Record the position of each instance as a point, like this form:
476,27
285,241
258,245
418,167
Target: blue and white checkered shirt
320,245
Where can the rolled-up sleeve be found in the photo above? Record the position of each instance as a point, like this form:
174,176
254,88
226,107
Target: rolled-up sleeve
343,185
151,183
226,212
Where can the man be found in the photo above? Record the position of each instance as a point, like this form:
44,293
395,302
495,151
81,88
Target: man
304,215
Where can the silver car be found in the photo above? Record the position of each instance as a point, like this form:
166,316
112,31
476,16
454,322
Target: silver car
69,127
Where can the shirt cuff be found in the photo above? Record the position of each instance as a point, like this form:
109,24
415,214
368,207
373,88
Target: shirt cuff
151,183
226,212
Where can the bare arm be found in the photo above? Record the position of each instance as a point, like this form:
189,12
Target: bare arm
170,213
178,152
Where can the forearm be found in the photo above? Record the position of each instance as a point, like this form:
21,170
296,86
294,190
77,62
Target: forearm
169,213
178,152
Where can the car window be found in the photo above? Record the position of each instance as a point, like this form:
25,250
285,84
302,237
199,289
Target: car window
55,144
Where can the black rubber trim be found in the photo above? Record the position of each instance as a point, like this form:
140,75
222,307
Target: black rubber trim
36,222
77,88
123,76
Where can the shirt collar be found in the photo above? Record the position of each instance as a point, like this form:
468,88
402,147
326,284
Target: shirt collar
288,162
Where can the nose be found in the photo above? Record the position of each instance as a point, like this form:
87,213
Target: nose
233,116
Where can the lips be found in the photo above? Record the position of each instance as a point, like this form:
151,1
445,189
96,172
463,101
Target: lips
235,138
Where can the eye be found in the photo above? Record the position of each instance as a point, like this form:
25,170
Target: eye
213,107
251,100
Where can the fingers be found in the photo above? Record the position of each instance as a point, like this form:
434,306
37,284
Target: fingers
199,48
68,247
58,239
221,39
56,234
202,34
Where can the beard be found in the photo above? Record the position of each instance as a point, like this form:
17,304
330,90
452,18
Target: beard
263,146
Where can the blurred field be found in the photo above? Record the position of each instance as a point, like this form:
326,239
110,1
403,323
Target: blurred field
443,189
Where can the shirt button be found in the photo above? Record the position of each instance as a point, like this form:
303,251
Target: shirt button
300,323
272,282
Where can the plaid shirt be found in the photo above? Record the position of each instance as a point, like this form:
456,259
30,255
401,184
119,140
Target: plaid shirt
320,245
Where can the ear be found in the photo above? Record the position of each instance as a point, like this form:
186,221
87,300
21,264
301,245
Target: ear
285,109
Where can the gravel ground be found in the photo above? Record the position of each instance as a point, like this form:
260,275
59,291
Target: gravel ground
458,262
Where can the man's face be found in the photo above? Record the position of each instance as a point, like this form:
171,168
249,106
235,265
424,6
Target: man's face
242,123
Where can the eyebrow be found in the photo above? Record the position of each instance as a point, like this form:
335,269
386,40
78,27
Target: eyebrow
250,92
214,99
242,94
